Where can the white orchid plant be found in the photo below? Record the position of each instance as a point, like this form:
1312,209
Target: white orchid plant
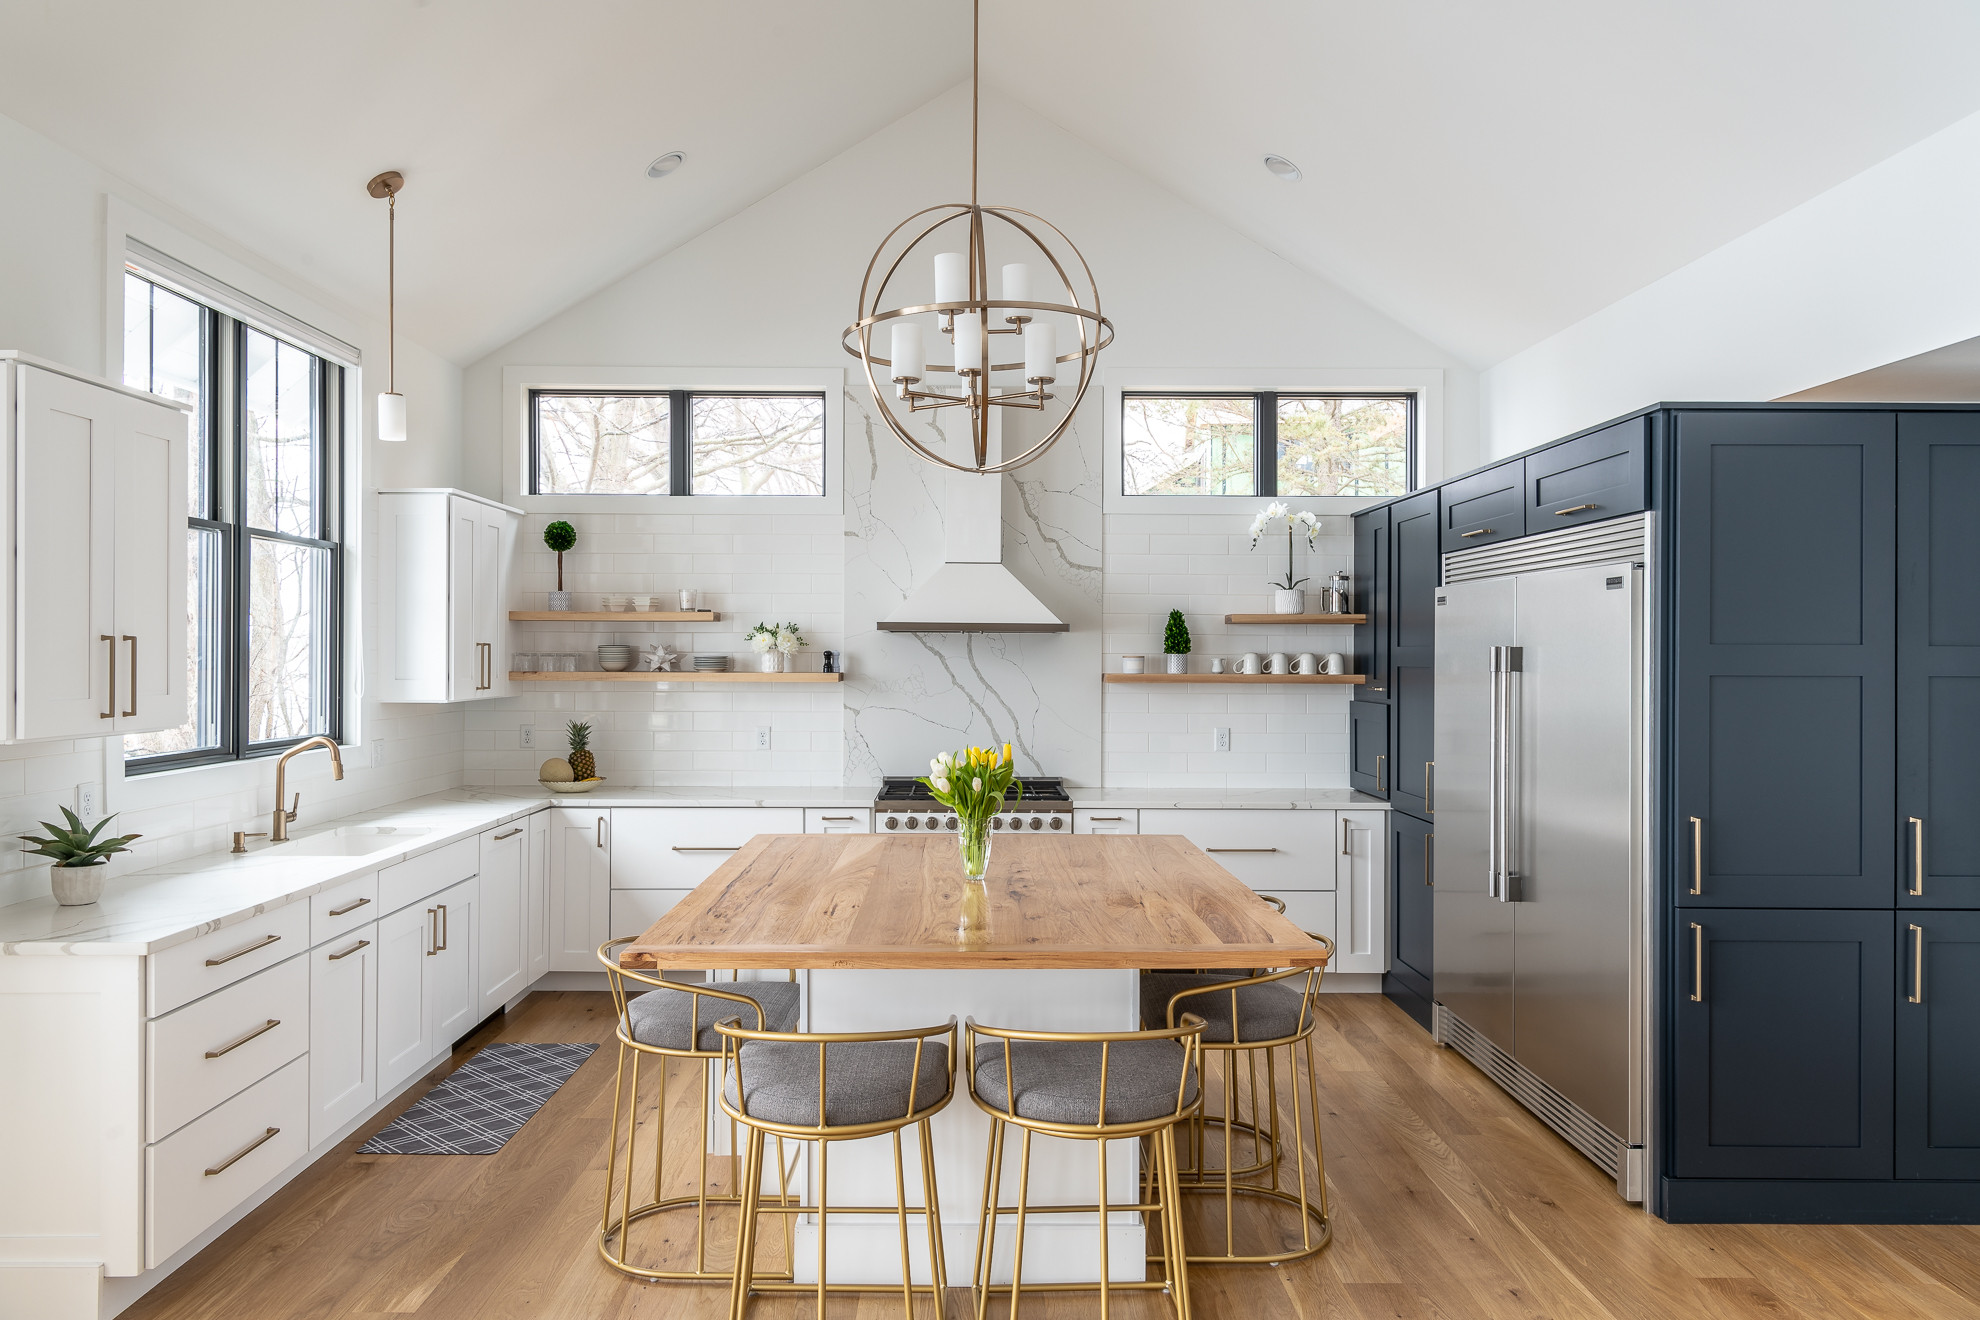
1304,520
767,637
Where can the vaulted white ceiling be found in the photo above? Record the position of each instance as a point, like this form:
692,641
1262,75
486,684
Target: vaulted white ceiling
1486,174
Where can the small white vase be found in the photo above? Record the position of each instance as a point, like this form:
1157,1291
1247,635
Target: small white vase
1288,602
560,600
1176,664
770,662
1132,664
75,886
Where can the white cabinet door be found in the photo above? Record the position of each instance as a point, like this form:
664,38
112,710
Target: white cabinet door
500,941
404,940
64,632
580,887
536,898
1313,912
343,1030
149,558
1362,893
679,847
449,987
494,538
1115,821
1275,852
463,522
838,820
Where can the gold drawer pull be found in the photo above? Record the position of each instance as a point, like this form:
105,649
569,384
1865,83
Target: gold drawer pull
1248,850
242,1153
1579,508
1917,995
509,835
111,696
1106,818
361,944
838,818
242,953
1483,531
349,907
1917,885
706,848
1697,963
1697,855
269,1025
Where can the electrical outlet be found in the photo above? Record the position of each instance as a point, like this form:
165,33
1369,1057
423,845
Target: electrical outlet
89,798
762,737
1220,740
526,735
377,752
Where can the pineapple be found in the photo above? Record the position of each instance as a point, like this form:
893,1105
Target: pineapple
583,765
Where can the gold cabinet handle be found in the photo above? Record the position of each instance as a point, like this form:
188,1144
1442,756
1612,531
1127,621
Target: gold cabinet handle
242,1153
1917,885
1917,995
110,644
1100,818
1429,788
1240,850
598,833
838,818
432,932
1346,851
1483,531
508,835
1697,855
338,957
705,848
1578,508
1381,772
349,907
1429,841
446,928
262,943
133,679
1697,963
273,1023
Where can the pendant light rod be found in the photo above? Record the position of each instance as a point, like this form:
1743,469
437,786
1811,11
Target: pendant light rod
391,405
975,87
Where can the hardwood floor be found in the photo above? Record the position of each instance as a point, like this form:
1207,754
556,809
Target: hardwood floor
1449,1202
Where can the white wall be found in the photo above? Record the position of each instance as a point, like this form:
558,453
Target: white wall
1879,268
53,268
775,285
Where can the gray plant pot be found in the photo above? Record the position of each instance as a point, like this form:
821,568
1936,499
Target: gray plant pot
1176,664
76,886
560,600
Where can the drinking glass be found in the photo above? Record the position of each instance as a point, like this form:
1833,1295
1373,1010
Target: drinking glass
567,663
688,596
523,662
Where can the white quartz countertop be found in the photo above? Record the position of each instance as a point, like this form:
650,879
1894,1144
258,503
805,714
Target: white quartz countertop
142,912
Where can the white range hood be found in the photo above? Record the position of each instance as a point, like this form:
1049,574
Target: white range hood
972,591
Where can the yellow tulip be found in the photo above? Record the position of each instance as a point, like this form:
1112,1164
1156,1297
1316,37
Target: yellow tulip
1007,753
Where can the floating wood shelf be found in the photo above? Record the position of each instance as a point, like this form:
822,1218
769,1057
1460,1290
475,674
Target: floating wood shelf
670,676
1295,618
1234,678
613,616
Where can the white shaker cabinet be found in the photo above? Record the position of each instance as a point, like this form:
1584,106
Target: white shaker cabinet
343,1030
444,587
501,934
96,516
428,982
580,848
536,898
1361,922
451,987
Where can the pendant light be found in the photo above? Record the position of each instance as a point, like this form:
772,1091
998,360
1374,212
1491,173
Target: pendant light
391,404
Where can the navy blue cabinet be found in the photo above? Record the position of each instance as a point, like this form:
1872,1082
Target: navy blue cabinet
1370,584
1412,857
1785,685
1415,570
1938,629
1485,507
1783,1060
1603,474
1368,747
1938,1045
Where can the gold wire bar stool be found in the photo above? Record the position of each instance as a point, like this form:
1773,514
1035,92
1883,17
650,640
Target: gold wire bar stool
829,1088
676,1020
1085,1086
1246,1016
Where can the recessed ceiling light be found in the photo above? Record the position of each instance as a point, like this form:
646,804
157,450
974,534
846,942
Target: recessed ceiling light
667,164
1282,167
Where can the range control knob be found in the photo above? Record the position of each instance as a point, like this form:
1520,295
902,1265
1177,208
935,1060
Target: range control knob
1037,822
934,822
914,822
996,822
950,822
893,822
1058,822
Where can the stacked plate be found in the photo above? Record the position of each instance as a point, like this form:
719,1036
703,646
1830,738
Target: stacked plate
711,664
613,658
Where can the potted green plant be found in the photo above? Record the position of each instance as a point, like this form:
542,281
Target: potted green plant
77,875
1175,643
560,536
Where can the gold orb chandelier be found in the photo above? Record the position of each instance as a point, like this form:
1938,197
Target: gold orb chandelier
964,315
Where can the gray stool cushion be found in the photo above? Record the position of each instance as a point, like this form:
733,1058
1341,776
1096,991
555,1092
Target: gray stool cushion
1059,1081
660,1017
1265,1012
865,1081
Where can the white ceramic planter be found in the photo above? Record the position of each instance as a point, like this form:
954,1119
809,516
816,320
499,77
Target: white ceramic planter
1288,602
1176,664
560,600
75,886
770,662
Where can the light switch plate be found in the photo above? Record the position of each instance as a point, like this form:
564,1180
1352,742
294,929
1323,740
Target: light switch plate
1220,740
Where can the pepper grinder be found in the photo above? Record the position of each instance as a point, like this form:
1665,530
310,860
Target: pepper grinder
1338,595
831,662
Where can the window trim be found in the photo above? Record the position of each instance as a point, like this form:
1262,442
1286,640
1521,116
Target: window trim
1424,384
680,440
1265,438
519,383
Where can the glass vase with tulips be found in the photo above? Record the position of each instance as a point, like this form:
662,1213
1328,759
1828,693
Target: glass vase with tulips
972,783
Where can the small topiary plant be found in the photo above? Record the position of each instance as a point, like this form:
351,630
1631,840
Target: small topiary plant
560,536
1175,635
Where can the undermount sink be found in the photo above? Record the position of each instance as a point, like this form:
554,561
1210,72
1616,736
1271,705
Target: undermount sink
351,841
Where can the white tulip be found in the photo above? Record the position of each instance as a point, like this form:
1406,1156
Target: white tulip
935,767
976,784
941,784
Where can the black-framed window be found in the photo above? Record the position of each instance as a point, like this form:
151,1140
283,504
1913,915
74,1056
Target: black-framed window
676,442
1268,443
265,555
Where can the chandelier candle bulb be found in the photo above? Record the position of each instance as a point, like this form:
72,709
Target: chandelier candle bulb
951,277
1017,286
969,341
1041,351
909,362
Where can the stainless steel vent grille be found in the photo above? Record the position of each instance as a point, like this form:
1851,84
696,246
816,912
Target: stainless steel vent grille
1574,1124
1595,543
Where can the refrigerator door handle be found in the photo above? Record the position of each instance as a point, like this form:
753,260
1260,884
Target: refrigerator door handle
1502,811
1492,785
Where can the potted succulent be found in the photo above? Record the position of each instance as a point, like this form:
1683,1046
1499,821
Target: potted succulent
1175,643
1287,598
560,536
77,875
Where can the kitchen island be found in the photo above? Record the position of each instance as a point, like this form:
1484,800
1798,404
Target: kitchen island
870,925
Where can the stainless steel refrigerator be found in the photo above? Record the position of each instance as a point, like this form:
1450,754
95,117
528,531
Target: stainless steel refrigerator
1542,769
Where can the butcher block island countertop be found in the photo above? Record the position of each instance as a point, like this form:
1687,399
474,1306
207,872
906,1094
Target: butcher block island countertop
884,901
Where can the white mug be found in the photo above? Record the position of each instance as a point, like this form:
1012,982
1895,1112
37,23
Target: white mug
1248,663
1335,663
1217,665
1306,663
1276,663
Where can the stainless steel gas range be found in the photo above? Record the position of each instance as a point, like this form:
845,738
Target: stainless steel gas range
1032,804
